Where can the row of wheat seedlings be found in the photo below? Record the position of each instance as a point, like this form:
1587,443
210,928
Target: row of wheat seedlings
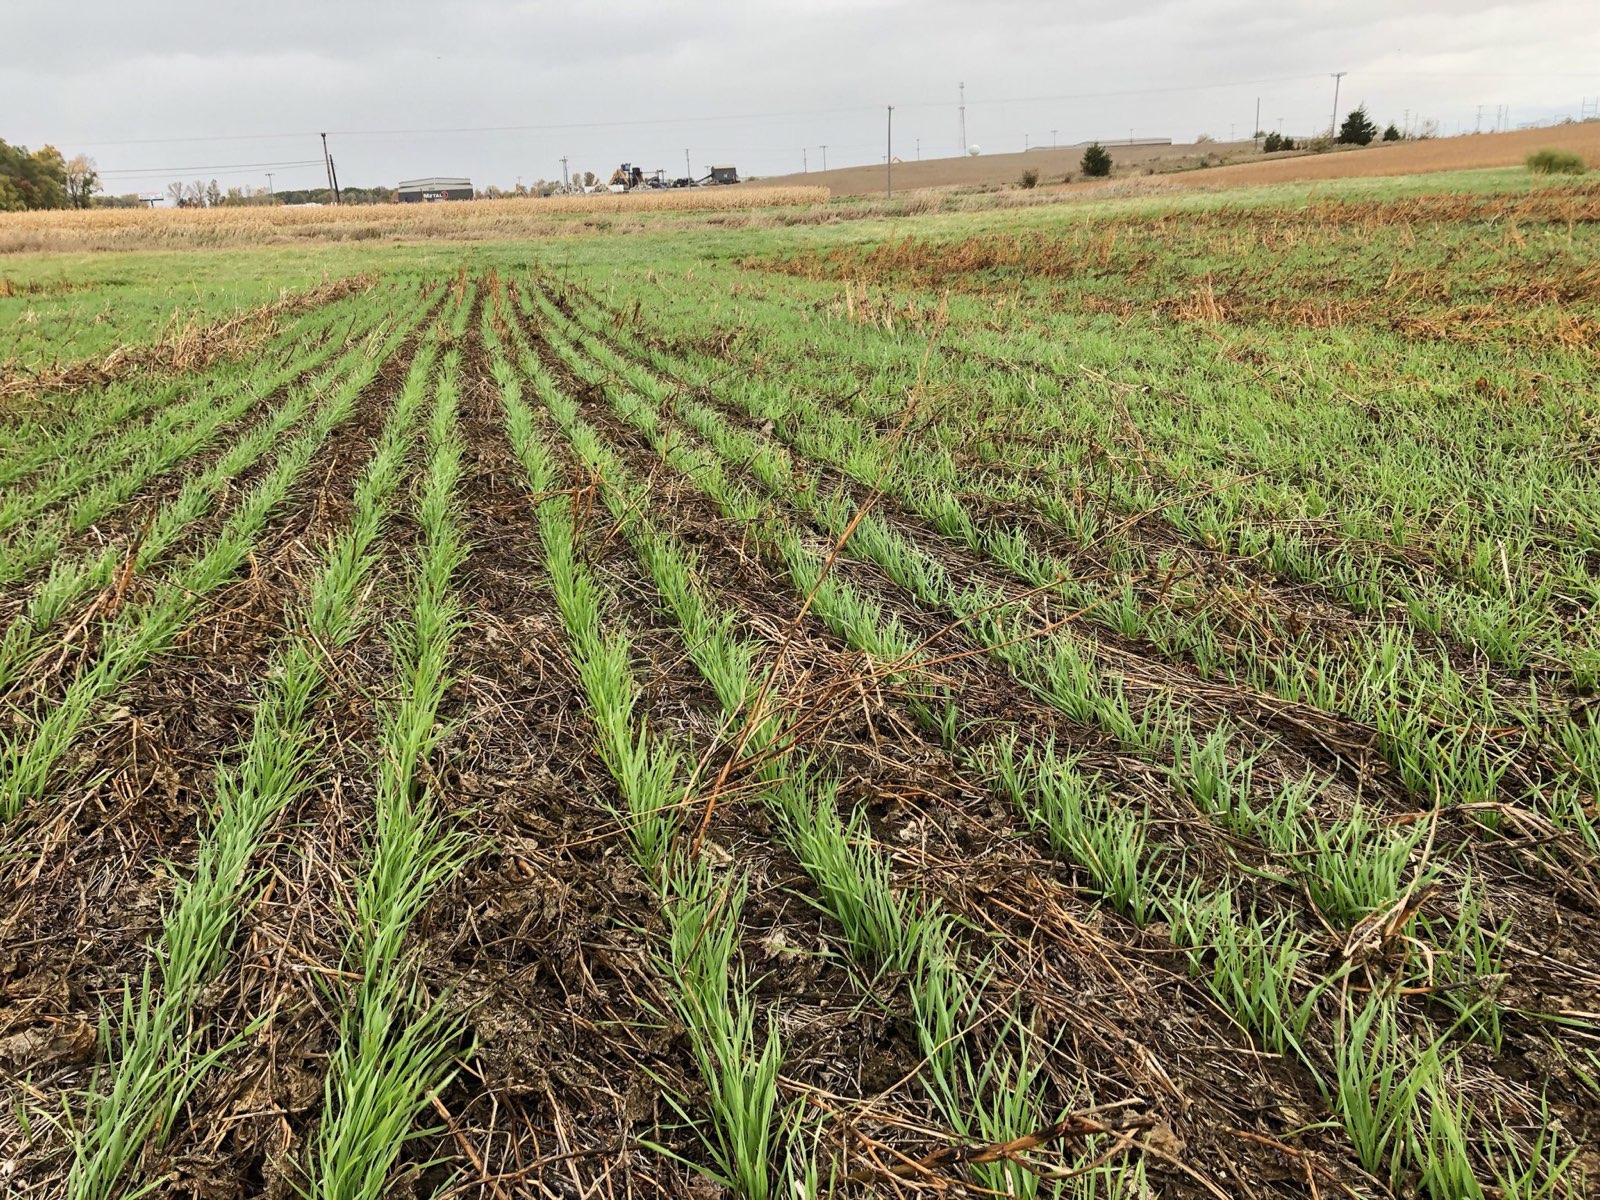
1503,527
738,1056
1258,966
72,578
1445,735
1055,666
157,1053
396,1047
31,749
1432,723
37,443
984,1094
157,448
135,454
1352,867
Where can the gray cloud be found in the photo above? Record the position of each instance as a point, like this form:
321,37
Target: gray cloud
642,81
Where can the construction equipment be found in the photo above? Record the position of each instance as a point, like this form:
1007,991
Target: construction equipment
630,178
717,175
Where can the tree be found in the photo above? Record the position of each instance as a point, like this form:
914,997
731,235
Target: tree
83,180
30,181
1391,134
175,193
213,194
1273,143
1358,128
1096,161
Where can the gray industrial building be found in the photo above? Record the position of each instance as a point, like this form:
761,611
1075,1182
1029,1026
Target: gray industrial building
435,187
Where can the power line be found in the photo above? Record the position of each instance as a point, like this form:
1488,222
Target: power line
619,123
309,162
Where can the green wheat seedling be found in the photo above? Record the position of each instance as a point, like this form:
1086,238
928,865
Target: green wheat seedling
1470,968
852,880
1107,842
646,768
1359,865
155,1046
1378,1075
738,1061
70,580
1251,964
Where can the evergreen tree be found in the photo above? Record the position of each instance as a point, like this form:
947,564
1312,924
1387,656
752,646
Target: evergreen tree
1358,128
1391,134
1096,160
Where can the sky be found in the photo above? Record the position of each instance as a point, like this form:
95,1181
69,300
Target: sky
498,91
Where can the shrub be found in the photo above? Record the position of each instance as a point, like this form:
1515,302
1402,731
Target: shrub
1358,129
1319,145
1096,161
1556,162
1391,134
1067,178
1272,143
1030,178
1287,143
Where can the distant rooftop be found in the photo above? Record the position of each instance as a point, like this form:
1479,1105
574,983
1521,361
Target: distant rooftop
433,181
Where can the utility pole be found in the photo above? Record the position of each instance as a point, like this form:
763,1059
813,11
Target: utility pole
1333,125
805,165
1478,128
688,171
888,157
1024,142
1231,128
566,185
334,168
270,190
1255,135
1052,139
963,111
327,164
824,156
919,149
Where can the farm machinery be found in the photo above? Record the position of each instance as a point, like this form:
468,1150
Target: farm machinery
631,178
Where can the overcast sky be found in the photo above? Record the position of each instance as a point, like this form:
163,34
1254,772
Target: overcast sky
157,90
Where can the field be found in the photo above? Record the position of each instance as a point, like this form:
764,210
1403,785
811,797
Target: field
1209,164
1091,701
205,228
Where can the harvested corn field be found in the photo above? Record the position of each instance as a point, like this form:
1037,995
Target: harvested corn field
750,715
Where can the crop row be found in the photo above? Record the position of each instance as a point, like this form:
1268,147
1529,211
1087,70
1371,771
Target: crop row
1253,962
31,749
1446,734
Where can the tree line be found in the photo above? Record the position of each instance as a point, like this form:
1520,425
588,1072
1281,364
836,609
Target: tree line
45,178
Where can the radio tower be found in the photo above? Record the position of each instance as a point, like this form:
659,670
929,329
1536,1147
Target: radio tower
963,111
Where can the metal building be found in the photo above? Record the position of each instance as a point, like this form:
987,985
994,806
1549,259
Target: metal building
435,187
